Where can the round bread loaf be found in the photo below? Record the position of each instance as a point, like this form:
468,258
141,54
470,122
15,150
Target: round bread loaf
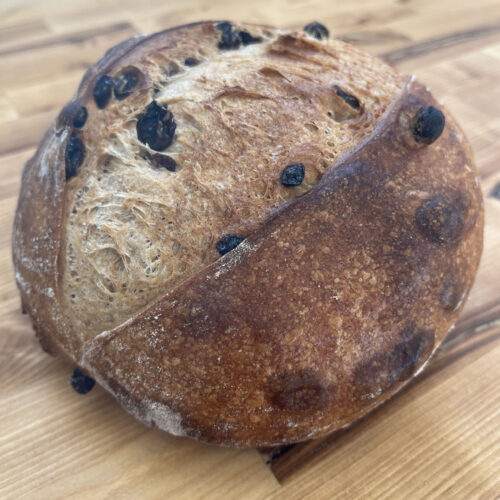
248,236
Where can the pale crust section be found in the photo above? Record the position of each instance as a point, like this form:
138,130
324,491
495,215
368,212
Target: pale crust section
335,299
134,231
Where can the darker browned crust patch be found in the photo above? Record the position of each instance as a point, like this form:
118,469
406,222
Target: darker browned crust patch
395,364
302,391
440,220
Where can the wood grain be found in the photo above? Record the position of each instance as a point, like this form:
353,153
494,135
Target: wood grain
440,438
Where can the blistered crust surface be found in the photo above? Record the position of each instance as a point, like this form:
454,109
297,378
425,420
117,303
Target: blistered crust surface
326,310
134,230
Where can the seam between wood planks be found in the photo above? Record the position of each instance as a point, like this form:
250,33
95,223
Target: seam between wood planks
421,48
73,38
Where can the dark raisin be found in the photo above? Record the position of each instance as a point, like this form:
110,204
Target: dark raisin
439,220
163,161
156,127
227,243
496,192
81,383
102,90
317,30
428,124
230,38
74,156
247,38
125,82
293,175
191,61
348,98
80,117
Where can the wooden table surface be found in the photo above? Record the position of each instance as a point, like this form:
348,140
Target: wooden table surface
440,438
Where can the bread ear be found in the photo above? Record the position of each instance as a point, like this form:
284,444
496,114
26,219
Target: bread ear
324,312
36,240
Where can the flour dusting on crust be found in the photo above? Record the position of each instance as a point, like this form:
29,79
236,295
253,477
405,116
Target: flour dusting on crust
149,412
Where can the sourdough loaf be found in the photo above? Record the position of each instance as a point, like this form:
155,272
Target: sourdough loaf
248,236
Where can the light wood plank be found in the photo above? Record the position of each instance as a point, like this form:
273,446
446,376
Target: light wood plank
44,96
33,62
89,447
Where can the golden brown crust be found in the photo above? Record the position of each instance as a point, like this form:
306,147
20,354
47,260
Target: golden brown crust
320,315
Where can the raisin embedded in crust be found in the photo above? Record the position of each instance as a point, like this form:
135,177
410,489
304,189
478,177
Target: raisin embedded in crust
293,175
163,161
191,61
156,127
102,91
316,30
227,243
125,82
248,39
230,38
348,98
428,124
74,156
